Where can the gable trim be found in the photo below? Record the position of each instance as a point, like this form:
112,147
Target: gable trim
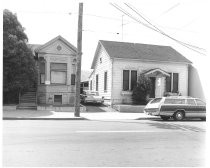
37,50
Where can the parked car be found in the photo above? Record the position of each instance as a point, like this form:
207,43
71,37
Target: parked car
178,108
91,97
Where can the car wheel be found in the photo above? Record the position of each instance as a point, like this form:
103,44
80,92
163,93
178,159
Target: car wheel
179,115
203,118
165,118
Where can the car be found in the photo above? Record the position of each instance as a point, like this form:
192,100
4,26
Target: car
91,97
176,107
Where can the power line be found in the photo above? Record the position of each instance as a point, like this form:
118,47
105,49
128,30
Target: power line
154,28
180,42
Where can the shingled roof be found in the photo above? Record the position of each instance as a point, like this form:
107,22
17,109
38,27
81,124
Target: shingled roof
125,50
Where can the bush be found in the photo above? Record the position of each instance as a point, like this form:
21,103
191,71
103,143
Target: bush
142,90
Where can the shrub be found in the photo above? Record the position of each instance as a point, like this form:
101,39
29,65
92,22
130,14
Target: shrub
142,90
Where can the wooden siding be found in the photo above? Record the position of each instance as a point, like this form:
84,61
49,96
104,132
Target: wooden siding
121,64
102,65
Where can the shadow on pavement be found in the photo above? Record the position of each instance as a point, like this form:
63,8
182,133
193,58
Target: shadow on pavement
26,113
174,126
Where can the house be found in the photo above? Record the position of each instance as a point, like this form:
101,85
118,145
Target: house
56,64
84,86
117,65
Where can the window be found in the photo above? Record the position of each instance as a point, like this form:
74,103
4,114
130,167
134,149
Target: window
57,99
133,79
129,79
200,103
42,72
175,82
86,84
191,101
174,101
96,82
58,73
73,76
105,81
125,80
91,85
157,100
100,60
172,83
168,83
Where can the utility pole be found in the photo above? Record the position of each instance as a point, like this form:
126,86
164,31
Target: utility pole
79,58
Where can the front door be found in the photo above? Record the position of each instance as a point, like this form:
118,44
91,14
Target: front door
152,93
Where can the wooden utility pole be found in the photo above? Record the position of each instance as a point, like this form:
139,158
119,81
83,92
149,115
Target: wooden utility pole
79,58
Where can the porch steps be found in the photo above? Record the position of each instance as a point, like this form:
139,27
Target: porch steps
28,100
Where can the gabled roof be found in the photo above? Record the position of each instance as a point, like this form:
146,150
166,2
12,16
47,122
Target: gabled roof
156,71
55,39
147,52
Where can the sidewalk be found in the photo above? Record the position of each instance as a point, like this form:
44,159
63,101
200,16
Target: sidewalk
52,115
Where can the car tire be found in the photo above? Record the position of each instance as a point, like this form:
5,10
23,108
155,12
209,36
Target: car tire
178,116
203,118
164,118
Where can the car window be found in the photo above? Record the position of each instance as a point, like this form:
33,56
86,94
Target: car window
157,100
174,101
200,103
191,101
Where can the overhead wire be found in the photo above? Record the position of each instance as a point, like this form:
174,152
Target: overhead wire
149,22
154,28
163,33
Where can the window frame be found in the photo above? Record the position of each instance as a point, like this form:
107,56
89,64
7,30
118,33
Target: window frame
58,70
41,72
73,82
97,82
129,81
172,82
105,81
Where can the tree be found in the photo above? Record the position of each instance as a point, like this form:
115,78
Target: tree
19,71
142,90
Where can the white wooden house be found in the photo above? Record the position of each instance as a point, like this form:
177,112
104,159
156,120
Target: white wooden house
117,65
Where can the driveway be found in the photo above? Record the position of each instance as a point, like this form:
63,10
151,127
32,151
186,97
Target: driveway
94,107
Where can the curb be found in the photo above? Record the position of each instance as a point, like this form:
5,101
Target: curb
79,118
16,118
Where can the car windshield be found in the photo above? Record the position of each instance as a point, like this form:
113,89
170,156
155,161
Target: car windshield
157,100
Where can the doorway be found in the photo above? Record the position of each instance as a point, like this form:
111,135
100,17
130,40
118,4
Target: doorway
152,92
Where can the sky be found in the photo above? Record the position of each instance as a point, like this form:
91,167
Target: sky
43,20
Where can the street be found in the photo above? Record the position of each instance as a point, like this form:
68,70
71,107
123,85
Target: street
103,143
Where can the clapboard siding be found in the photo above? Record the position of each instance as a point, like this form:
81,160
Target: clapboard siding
121,64
102,66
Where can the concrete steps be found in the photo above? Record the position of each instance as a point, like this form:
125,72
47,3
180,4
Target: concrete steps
28,100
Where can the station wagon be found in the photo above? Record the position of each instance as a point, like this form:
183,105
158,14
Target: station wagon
178,108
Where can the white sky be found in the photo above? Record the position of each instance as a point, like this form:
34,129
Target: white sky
45,19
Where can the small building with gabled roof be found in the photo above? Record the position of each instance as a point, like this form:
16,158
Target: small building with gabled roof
117,65
56,64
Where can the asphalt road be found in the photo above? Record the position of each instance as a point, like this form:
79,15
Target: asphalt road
103,143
